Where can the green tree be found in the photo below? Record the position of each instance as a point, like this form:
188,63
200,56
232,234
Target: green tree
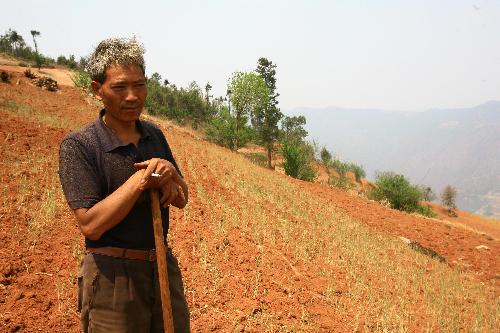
38,58
358,171
16,41
267,118
326,157
292,128
208,87
70,62
249,95
448,199
82,63
194,103
154,99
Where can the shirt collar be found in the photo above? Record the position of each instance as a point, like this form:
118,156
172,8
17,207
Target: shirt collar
109,139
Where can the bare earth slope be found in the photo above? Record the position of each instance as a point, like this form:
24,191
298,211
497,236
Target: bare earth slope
259,252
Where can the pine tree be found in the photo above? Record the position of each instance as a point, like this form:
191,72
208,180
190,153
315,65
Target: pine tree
267,119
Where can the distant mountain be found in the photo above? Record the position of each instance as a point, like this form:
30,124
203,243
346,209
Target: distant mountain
460,147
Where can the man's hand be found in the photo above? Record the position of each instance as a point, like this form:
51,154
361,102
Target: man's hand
171,193
163,168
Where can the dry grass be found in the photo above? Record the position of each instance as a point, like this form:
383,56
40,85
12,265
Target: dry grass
39,194
36,116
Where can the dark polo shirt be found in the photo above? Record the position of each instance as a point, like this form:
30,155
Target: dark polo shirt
93,163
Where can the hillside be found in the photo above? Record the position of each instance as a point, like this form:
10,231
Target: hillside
259,251
436,148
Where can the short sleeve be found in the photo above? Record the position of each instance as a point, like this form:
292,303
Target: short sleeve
78,175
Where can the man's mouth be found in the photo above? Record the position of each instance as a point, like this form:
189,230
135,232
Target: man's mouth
131,108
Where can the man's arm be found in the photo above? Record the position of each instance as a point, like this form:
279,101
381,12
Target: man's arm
110,211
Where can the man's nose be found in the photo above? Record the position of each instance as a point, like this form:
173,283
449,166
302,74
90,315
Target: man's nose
131,94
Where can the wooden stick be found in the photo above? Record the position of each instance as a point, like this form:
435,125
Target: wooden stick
161,259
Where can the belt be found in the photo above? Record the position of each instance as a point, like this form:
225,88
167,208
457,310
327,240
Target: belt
118,252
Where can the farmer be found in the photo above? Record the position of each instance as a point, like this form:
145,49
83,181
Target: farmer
106,169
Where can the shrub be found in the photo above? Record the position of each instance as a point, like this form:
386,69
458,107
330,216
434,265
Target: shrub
171,112
4,77
326,157
184,105
426,211
39,60
339,166
82,80
220,130
358,171
341,182
398,191
298,156
308,173
29,74
257,158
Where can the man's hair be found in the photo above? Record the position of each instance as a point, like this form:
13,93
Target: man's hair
115,51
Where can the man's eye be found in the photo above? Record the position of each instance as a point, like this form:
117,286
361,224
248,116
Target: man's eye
118,87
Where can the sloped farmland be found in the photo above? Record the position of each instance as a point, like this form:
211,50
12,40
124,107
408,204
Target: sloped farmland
259,252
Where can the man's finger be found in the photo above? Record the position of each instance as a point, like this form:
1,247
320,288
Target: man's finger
141,165
163,181
164,196
180,192
173,195
166,169
149,170
167,196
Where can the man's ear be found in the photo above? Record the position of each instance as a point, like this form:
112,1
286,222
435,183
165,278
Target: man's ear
96,87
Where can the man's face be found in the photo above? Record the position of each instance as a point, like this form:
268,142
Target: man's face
123,93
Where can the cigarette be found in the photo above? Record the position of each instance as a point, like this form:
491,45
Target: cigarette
156,175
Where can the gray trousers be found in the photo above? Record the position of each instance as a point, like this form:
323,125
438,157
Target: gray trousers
123,295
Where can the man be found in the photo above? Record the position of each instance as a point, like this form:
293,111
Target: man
106,169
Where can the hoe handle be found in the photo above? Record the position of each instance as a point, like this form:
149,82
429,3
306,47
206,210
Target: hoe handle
161,259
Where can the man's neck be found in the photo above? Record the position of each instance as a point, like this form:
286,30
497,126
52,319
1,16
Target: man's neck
125,130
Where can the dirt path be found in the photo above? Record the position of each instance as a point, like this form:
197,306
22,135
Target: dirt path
61,75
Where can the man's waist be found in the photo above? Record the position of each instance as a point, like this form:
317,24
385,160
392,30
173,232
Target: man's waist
118,252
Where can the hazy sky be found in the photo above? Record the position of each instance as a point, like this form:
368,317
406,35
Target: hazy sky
397,55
